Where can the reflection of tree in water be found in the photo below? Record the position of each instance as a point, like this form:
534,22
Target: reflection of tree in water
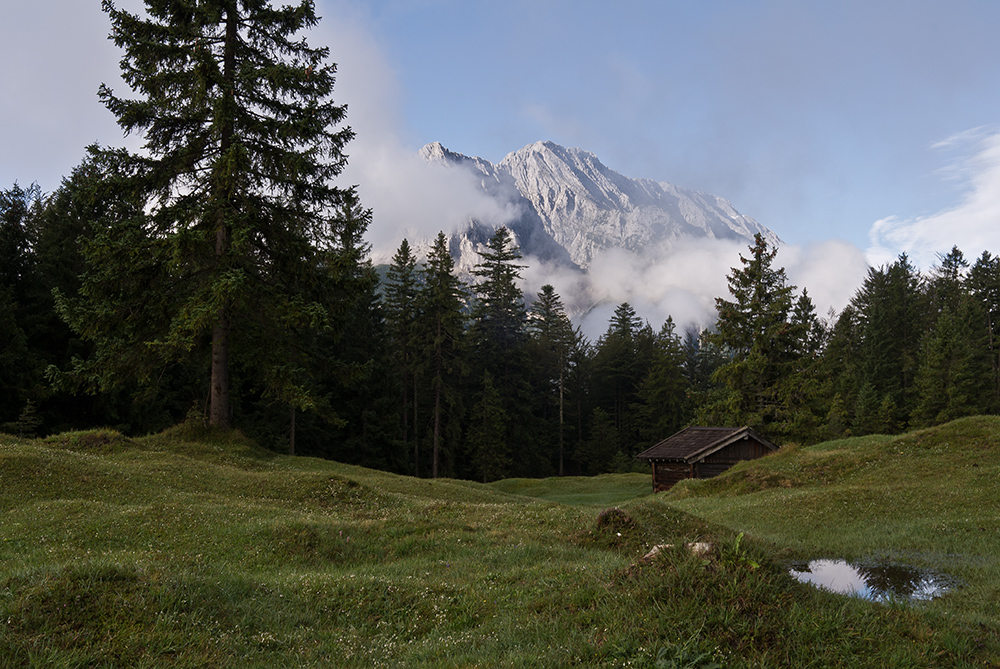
896,581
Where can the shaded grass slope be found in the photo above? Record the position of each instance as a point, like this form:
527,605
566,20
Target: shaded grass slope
194,548
603,490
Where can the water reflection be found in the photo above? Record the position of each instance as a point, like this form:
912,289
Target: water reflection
878,582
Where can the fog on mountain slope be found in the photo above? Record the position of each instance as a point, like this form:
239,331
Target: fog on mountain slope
602,238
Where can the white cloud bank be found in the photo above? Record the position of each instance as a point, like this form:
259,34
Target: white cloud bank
684,284
973,224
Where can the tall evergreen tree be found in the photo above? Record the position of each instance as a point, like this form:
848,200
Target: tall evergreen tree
839,371
946,286
983,285
754,329
499,336
19,374
442,335
579,395
350,369
801,387
499,315
104,293
240,153
622,359
665,391
947,383
552,338
401,312
17,247
954,376
489,445
893,314
702,357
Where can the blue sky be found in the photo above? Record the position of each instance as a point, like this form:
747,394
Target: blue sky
817,118
831,120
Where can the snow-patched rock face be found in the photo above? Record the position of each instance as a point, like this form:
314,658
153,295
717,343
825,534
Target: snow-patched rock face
587,207
572,207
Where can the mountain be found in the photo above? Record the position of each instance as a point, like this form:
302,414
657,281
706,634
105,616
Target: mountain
571,208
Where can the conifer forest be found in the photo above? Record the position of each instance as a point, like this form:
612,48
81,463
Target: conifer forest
218,275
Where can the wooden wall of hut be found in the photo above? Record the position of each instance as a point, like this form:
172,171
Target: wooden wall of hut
666,474
723,459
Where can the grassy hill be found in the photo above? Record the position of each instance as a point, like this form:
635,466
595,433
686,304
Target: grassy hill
604,490
929,498
197,549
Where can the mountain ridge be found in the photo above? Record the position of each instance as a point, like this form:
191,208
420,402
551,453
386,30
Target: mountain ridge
598,236
569,199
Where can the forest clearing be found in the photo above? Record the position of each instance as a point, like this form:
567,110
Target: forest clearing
194,547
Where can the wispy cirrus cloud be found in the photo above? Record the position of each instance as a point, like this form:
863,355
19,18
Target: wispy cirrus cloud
973,224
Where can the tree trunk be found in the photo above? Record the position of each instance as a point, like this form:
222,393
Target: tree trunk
406,404
416,432
219,405
437,431
439,365
219,409
561,440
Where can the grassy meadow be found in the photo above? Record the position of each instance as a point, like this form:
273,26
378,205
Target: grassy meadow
191,548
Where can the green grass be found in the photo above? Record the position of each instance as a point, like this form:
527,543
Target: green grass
604,490
929,498
194,548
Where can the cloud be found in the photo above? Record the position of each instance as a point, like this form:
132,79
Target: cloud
972,224
409,196
684,283
831,271
56,54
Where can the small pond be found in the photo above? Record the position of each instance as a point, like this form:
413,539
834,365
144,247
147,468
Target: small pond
876,581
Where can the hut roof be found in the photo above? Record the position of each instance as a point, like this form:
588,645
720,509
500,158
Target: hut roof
694,443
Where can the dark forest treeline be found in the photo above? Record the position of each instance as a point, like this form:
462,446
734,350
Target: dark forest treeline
424,374
219,275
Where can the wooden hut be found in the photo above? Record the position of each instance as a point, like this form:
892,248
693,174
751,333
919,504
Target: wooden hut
702,452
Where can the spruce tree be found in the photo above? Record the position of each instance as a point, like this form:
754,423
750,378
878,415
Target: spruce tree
893,316
18,279
499,315
754,329
17,247
983,285
343,368
579,395
489,445
954,377
801,387
946,287
552,337
702,357
241,148
622,359
499,337
441,330
664,392
401,313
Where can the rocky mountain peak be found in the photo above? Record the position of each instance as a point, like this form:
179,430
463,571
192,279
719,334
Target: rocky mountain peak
572,208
